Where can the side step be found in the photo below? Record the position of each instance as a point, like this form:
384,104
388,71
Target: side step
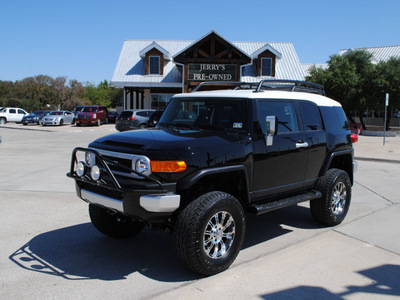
259,209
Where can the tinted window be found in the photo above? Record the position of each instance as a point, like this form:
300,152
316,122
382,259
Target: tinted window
142,113
334,118
20,111
206,113
126,114
311,116
13,111
284,111
89,109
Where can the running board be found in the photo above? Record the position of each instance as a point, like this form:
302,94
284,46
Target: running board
259,209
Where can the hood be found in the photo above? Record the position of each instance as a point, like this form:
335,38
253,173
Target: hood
169,143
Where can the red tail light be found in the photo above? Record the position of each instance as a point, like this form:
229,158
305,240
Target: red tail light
131,118
354,138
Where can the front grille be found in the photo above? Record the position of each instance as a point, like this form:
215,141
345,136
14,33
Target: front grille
122,161
100,190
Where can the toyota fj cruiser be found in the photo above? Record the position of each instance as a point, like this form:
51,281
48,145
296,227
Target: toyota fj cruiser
213,156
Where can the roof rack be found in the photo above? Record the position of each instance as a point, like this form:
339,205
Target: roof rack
269,84
234,84
290,85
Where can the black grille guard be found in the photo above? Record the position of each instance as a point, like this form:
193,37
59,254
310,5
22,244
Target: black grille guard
105,162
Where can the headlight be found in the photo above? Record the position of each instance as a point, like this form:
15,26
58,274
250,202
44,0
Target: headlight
143,166
95,173
80,169
90,159
94,116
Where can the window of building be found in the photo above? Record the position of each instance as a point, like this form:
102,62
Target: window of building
266,66
154,65
160,101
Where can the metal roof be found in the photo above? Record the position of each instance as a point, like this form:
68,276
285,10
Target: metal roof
130,69
378,53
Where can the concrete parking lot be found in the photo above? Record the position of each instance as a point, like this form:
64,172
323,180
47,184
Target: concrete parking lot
50,250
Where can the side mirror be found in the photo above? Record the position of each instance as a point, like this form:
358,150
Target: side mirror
272,122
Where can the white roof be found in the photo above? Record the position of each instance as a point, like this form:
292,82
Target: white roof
130,69
378,53
265,94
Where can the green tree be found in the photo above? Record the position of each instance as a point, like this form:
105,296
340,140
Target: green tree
100,95
348,79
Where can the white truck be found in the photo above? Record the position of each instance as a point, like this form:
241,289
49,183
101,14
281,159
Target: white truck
11,114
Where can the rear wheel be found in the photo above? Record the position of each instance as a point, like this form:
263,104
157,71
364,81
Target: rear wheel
112,224
332,208
3,121
209,233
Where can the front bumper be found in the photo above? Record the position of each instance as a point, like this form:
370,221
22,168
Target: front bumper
143,198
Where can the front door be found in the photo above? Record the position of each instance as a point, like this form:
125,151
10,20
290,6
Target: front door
280,163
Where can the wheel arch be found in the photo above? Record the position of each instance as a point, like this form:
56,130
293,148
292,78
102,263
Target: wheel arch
342,160
231,179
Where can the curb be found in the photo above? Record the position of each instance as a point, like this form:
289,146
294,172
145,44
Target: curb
391,161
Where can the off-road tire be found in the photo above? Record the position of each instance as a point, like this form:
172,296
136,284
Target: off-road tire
332,208
113,225
193,227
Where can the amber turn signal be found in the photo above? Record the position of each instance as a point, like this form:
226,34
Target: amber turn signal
167,166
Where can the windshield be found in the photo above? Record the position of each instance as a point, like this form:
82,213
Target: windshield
89,109
208,113
56,113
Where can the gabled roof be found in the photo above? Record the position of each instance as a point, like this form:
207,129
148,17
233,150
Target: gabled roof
154,44
130,68
205,36
378,53
265,48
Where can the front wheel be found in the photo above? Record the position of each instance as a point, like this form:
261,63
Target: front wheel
112,224
3,121
61,122
332,208
209,233
98,122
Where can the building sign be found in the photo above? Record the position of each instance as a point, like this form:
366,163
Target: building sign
212,72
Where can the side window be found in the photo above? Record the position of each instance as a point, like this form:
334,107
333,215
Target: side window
311,116
142,113
21,112
284,111
12,111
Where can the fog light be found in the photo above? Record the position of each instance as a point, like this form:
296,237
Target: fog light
90,159
80,169
95,173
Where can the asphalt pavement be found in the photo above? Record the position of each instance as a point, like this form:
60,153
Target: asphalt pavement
50,250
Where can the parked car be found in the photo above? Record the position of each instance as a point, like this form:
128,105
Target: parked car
11,114
77,109
214,156
154,118
92,115
35,117
59,117
112,116
133,119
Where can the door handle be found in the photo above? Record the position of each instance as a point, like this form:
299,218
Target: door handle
301,144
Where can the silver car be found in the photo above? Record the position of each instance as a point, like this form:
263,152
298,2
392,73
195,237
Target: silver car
59,117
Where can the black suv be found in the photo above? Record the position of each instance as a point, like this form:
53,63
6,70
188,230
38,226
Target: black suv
215,155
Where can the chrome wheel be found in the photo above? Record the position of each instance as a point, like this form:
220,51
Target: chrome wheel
219,235
339,196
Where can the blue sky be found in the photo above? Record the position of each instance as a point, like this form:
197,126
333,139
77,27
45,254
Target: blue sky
82,39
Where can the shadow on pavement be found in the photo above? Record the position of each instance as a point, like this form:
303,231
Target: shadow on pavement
80,252
385,281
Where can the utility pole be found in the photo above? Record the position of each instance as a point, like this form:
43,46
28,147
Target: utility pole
384,123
